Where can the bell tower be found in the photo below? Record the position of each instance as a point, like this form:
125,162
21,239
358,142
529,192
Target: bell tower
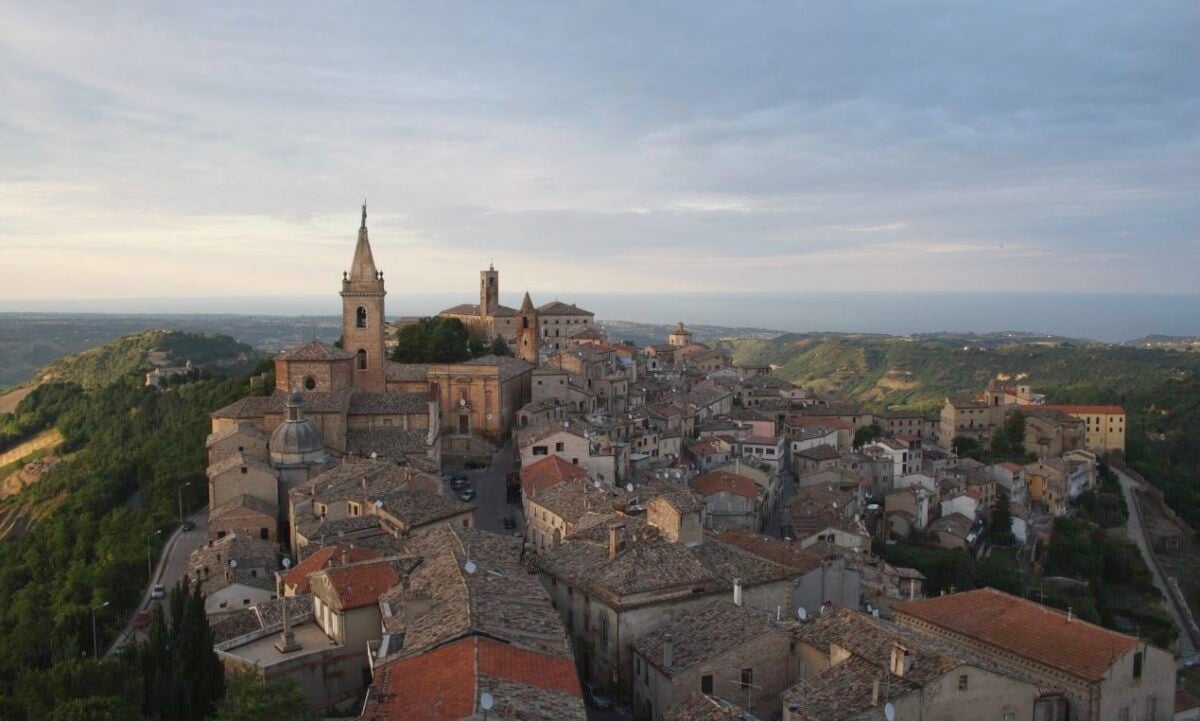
362,315
489,292
527,332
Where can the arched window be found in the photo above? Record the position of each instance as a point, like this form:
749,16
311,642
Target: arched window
362,359
360,317
310,383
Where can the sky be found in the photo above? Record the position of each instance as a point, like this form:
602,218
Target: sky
210,149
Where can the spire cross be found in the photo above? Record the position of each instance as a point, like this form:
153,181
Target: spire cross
364,215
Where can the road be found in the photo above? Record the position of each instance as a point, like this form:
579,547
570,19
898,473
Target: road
787,489
491,503
171,564
1137,532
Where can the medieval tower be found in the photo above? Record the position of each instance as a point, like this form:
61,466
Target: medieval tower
362,315
489,293
527,332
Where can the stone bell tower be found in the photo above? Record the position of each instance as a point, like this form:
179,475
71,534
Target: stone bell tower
362,315
489,294
527,332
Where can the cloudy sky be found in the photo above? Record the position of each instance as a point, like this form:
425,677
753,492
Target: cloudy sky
211,149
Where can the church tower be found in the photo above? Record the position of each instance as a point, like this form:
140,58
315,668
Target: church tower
527,332
362,315
489,294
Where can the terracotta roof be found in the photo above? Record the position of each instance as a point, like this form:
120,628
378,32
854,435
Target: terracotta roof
385,441
1028,629
570,501
239,429
315,351
717,481
237,506
248,407
699,707
365,403
357,584
394,371
1085,410
451,679
547,472
297,577
506,366
771,549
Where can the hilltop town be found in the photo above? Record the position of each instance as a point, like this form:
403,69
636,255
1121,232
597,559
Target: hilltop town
567,525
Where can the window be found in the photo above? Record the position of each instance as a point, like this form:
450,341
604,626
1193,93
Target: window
360,317
706,686
603,631
1008,716
558,447
1123,714
540,450
1151,708
464,426
310,383
362,359
747,677
962,682
244,469
1137,666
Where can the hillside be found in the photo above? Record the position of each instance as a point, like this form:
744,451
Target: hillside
139,352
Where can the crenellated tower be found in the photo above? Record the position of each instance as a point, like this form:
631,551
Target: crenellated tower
362,315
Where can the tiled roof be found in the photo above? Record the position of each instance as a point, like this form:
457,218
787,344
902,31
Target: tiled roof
357,584
555,307
571,500
1025,628
391,442
394,371
524,684
955,524
506,366
312,402
682,500
297,577
699,707
771,549
248,407
547,472
260,616
314,351
717,481
237,506
237,460
1086,410
823,452
461,309
239,429
418,508
364,403
210,562
701,635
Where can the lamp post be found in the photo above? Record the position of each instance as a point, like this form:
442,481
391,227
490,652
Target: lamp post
149,568
185,485
95,639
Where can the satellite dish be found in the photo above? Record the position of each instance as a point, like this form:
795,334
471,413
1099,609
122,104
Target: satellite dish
379,504
341,534
486,701
374,455
470,567
287,563
889,711
233,563
801,613
629,487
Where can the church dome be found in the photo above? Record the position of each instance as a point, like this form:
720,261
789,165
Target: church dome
296,438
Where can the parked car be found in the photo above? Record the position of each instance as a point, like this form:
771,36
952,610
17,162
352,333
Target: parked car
458,477
158,592
594,696
459,483
189,525
510,522
467,494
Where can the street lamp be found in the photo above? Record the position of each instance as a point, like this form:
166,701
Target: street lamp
95,640
181,501
149,570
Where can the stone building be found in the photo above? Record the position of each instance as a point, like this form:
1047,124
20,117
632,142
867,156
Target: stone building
527,340
477,403
679,337
1102,674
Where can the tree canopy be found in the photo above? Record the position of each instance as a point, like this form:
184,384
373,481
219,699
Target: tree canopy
441,340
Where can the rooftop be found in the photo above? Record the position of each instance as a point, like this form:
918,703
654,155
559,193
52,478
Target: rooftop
550,470
297,577
701,635
718,481
314,350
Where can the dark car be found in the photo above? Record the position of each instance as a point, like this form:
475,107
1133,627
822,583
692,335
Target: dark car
459,483
594,696
189,525
510,522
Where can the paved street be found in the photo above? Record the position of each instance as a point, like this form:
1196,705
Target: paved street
171,563
1137,533
776,522
491,505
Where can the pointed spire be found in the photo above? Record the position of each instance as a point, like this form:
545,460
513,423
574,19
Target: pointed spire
527,304
363,267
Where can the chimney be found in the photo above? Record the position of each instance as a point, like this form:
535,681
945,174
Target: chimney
364,483
875,692
737,592
668,654
1070,614
345,556
614,539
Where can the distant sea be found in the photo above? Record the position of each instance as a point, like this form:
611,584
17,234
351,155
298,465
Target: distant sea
1099,317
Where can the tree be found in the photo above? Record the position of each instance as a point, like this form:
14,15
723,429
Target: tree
435,340
183,676
1014,432
500,347
866,434
251,699
1000,531
966,447
476,347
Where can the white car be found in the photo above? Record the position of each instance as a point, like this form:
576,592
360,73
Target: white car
158,593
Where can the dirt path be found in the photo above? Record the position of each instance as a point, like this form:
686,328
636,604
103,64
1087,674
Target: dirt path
9,401
45,439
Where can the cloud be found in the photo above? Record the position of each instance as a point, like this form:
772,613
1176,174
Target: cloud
589,148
